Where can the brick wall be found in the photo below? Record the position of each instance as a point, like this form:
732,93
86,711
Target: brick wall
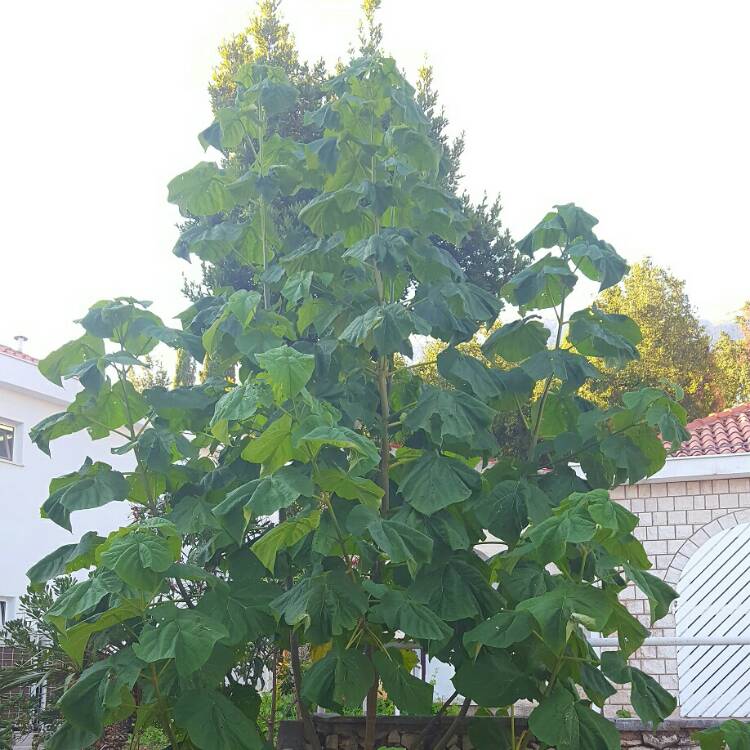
675,519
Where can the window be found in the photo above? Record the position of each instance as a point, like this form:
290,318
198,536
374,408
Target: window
3,609
7,441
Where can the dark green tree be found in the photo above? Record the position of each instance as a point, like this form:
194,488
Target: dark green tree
675,347
732,362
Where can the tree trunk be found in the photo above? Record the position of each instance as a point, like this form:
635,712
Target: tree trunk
371,709
302,713
274,689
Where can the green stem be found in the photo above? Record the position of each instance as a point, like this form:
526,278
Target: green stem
547,385
262,204
339,532
163,711
122,377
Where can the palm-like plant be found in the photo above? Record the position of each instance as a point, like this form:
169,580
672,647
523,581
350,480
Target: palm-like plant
39,669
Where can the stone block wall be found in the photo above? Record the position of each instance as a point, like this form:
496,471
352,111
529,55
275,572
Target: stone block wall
674,520
347,733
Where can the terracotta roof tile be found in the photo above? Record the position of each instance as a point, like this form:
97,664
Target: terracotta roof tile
15,354
724,432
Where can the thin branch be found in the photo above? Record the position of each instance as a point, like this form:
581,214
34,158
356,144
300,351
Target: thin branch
432,723
184,593
442,743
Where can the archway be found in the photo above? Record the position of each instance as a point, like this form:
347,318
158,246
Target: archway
714,588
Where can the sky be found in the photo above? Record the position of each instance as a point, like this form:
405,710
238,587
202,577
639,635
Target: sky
636,111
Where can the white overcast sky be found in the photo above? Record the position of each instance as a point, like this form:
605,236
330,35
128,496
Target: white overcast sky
637,111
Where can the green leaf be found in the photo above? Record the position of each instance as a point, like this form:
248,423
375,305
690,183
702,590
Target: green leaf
639,452
598,688
243,607
650,700
660,412
201,191
446,415
62,361
283,536
400,611
553,609
213,722
81,597
506,509
568,724
240,403
349,487
329,605
99,691
275,96
550,232
660,594
430,263
571,369
270,494
577,222
501,630
68,737
433,482
332,212
386,329
288,370
486,733
139,557
414,147
323,152
409,693
517,340
93,485
599,261
597,334
210,243
543,284
503,388
401,543
343,437
53,427
455,590
234,126
66,559
185,635
297,287
388,248
494,680
340,679
274,446
731,734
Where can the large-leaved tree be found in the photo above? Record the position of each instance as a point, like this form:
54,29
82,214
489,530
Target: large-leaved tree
321,493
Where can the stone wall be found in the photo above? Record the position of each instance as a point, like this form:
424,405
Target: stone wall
347,733
675,519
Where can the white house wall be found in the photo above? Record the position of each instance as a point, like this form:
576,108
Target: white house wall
25,399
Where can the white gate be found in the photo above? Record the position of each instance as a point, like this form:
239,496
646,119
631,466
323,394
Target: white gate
714,603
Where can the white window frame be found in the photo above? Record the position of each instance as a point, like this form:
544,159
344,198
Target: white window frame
8,605
17,457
